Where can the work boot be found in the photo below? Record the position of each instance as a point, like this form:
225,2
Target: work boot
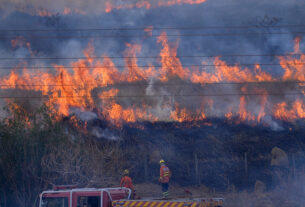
165,194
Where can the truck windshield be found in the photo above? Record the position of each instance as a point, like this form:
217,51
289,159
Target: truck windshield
54,202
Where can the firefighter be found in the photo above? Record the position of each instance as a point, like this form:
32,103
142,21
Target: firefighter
165,175
127,182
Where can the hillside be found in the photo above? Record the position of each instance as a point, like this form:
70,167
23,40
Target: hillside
224,159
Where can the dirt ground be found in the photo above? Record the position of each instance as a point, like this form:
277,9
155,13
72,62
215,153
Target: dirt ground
145,190
276,198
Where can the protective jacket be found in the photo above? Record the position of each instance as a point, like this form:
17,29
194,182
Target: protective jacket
126,182
164,174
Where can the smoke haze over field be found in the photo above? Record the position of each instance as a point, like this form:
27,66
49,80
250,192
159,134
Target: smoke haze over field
209,13
111,83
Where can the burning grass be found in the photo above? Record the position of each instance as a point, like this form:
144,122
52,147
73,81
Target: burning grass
38,150
171,92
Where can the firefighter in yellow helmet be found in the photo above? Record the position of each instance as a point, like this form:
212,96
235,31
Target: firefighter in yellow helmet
126,180
165,175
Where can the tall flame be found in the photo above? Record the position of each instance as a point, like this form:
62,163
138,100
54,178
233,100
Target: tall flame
130,95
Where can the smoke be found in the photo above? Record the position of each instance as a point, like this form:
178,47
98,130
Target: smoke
83,115
96,7
93,124
57,6
158,109
104,133
161,97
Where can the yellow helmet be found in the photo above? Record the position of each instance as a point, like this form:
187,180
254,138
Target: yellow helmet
162,161
126,172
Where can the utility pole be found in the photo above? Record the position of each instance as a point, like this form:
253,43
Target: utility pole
196,169
246,180
246,164
146,167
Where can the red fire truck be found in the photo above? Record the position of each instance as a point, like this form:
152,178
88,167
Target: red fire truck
67,196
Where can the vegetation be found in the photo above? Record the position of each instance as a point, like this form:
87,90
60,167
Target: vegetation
38,150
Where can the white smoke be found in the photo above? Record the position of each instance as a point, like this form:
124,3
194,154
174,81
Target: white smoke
164,103
54,6
74,6
83,115
94,129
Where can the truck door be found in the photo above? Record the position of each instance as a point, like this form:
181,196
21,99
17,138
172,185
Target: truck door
55,200
86,199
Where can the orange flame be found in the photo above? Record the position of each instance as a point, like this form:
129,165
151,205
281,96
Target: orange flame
94,84
179,2
235,73
44,13
171,65
149,30
297,111
148,5
133,72
294,67
143,4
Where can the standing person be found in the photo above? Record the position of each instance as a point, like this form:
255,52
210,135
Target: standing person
164,178
127,182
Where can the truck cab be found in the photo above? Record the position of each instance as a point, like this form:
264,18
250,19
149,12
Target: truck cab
70,196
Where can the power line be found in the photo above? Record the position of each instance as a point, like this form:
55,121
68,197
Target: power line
141,96
153,28
149,57
148,66
153,35
151,84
